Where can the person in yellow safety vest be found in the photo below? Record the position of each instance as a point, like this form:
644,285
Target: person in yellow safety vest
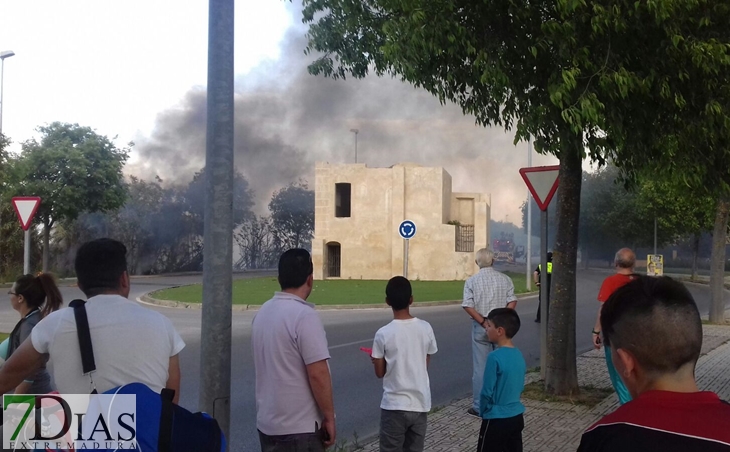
536,277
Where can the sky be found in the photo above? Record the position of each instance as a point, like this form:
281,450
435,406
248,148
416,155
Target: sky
137,70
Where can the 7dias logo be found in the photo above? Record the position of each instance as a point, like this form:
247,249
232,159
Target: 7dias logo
70,421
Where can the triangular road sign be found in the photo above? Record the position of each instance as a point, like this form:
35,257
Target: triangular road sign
26,207
542,182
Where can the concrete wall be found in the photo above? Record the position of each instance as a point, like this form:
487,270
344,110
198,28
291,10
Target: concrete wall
381,199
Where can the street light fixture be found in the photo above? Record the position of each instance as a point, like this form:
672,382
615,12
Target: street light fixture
355,131
3,54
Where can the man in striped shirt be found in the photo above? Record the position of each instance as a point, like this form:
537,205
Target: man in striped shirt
484,291
654,330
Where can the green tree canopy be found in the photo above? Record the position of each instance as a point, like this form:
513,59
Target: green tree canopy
292,215
73,170
564,72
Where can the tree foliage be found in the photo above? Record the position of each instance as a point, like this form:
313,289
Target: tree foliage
292,215
73,170
572,74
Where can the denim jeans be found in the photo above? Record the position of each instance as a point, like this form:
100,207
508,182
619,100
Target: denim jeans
480,348
402,431
300,442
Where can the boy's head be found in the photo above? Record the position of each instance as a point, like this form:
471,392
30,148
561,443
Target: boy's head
654,330
398,293
504,318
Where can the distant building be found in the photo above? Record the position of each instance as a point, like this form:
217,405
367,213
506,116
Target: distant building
358,211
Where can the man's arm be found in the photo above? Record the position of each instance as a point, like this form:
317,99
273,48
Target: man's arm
480,319
428,360
597,329
536,277
320,382
23,388
173,377
23,362
511,299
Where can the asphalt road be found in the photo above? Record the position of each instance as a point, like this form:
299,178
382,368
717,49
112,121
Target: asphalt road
356,389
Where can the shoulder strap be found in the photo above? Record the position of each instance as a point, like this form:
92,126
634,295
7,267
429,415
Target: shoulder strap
82,330
164,439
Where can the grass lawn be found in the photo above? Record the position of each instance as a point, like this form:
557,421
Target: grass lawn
3,336
329,292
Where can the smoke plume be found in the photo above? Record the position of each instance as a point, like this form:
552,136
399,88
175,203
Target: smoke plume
286,120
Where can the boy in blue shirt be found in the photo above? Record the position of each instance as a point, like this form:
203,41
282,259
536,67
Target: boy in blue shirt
504,380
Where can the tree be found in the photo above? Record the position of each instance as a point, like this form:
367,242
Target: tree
73,170
680,211
257,243
562,72
667,99
292,215
11,235
508,65
194,197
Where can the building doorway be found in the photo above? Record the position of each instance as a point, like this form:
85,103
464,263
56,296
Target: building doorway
334,260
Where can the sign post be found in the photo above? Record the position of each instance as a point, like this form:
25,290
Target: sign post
25,208
407,230
542,181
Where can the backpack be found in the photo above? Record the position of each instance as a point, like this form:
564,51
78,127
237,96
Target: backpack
162,426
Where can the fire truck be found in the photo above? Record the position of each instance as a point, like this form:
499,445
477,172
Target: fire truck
504,248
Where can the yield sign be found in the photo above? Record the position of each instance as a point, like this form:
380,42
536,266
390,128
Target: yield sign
26,207
542,182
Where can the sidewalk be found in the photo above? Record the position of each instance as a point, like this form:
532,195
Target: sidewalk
552,427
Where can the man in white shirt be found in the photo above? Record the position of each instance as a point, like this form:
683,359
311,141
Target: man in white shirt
131,343
487,290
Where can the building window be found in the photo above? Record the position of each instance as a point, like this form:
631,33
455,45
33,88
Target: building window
334,259
342,200
464,238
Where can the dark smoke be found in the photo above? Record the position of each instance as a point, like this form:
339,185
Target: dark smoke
286,120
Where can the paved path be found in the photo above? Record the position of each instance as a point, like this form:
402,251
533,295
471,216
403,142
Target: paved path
553,427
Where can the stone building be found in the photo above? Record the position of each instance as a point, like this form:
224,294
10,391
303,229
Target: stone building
358,211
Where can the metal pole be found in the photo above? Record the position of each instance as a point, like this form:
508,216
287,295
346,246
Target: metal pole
26,253
2,103
655,229
528,251
355,131
215,342
405,258
544,308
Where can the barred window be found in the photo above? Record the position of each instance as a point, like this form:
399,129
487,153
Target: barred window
464,238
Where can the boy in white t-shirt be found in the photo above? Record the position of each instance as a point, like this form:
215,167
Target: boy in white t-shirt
401,353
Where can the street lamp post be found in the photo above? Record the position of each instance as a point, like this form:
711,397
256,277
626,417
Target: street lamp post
355,131
3,54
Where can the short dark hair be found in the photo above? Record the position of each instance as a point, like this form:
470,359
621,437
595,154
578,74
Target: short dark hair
295,266
99,265
657,320
398,291
506,318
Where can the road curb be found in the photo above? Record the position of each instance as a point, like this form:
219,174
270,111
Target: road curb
148,299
